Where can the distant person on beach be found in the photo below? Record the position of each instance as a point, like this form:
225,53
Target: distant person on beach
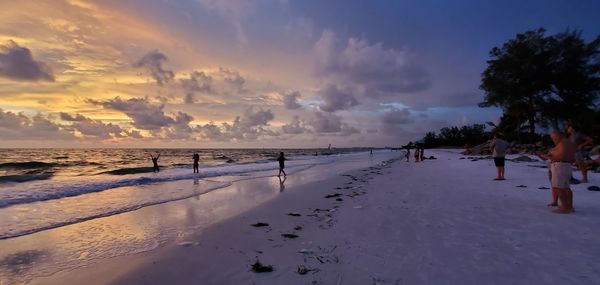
580,140
422,152
562,157
196,160
498,147
371,152
281,160
416,153
155,163
408,151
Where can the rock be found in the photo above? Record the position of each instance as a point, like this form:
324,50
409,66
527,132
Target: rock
260,224
524,158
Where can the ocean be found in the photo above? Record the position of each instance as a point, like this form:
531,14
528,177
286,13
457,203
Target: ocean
47,188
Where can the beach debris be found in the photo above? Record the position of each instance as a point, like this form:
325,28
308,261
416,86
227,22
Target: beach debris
258,267
289,236
188,243
294,214
339,199
543,188
298,228
260,224
521,186
593,188
302,270
524,158
305,251
333,195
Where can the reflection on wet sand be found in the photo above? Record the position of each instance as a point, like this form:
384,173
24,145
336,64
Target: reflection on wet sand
92,241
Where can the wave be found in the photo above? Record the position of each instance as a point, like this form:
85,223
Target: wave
25,177
130,170
113,209
37,191
28,165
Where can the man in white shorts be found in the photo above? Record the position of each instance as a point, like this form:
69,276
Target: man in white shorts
562,157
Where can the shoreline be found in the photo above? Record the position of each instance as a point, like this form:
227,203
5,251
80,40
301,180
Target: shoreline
437,221
141,231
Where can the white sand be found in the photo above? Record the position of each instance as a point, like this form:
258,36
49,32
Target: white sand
441,221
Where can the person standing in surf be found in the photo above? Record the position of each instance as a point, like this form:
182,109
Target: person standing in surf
196,159
155,162
281,160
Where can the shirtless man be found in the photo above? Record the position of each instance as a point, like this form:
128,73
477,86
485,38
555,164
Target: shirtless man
562,157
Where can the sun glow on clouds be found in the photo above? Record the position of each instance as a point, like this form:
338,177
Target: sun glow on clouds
224,74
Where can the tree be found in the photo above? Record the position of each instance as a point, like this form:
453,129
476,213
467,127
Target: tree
542,80
518,77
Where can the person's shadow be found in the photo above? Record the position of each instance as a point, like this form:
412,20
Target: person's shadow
282,183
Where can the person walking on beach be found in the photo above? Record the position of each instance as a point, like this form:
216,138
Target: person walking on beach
498,147
580,140
155,162
562,157
422,152
196,160
281,160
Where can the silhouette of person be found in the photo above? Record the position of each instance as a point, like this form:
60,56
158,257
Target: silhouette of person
155,163
281,160
371,152
196,159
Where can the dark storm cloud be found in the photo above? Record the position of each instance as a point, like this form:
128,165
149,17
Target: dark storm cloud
17,63
93,128
153,63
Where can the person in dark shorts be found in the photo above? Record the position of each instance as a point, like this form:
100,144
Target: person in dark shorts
196,160
498,147
281,160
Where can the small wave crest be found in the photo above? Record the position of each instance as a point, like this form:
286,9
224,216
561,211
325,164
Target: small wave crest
28,165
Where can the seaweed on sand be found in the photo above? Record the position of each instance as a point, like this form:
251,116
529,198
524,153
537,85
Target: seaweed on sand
260,268
260,224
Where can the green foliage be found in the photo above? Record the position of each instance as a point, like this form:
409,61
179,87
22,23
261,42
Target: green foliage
455,136
542,81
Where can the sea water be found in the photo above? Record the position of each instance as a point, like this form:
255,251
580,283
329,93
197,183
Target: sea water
47,188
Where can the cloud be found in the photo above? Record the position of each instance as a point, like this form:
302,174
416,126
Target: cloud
392,121
17,63
233,79
180,129
290,100
17,126
234,11
335,99
295,127
153,63
379,71
93,128
250,126
328,123
197,82
145,115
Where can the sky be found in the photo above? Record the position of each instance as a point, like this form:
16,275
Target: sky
254,73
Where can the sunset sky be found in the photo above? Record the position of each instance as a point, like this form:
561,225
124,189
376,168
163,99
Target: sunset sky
225,73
